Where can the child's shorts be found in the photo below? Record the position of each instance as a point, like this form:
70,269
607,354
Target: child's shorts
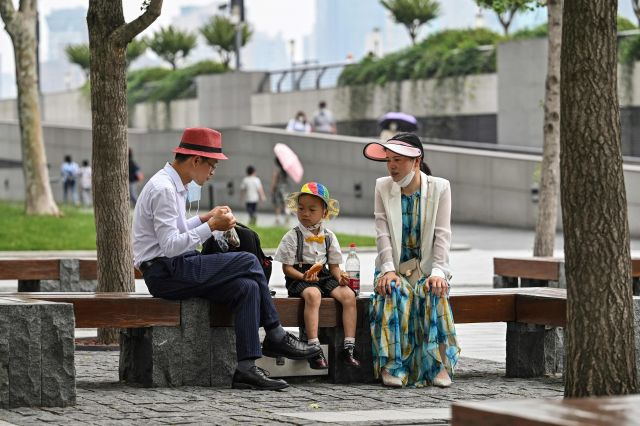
326,283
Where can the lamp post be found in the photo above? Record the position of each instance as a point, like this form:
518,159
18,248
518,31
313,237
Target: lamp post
292,45
236,17
479,21
376,41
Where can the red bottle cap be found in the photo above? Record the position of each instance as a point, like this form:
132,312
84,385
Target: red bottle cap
352,245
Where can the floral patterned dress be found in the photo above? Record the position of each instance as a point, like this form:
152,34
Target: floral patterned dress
408,326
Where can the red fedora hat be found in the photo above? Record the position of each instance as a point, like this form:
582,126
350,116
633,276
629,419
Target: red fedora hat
201,141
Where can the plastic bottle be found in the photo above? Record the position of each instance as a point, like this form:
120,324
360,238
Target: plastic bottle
352,268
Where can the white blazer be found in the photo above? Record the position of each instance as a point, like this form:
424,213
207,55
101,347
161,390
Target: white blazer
435,225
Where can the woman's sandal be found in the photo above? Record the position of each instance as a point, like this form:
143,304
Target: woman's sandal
390,380
442,380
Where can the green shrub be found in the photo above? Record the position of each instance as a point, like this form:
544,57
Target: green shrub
539,31
162,84
444,54
138,82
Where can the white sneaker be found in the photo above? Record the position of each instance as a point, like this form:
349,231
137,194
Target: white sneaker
442,380
391,381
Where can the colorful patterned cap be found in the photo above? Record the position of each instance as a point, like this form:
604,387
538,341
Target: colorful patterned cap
319,190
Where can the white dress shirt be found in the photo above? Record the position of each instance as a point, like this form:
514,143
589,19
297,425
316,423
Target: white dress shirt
312,252
160,225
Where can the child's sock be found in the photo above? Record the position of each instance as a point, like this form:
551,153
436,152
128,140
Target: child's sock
349,342
315,342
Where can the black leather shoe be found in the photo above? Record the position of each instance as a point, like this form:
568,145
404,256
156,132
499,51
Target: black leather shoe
349,357
318,362
290,347
256,378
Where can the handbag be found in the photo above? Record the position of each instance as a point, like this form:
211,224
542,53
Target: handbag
411,270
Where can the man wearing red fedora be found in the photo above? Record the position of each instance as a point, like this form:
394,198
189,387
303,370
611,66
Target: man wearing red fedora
164,243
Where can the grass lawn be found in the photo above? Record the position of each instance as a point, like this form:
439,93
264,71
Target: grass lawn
76,231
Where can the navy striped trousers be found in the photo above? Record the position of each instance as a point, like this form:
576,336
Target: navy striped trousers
235,279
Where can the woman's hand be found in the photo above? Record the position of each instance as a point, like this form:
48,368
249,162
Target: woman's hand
385,282
310,278
438,285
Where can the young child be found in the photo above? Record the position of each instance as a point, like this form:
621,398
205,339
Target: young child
252,192
309,243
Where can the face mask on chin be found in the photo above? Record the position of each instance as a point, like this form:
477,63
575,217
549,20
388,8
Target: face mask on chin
194,193
405,181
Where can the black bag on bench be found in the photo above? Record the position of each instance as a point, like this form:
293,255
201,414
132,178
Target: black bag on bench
249,242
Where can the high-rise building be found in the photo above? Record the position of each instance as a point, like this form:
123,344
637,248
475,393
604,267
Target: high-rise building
66,26
264,52
342,28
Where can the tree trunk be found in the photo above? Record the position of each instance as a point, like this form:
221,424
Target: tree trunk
21,26
108,38
600,339
550,173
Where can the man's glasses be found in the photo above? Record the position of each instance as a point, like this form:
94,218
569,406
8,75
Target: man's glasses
212,165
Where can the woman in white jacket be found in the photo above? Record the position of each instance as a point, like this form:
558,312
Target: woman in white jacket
412,329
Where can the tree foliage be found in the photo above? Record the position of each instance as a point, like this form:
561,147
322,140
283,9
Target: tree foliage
172,44
220,33
507,9
135,49
444,54
80,55
412,13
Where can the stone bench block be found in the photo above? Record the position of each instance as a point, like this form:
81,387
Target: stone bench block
334,337
534,350
69,280
36,354
170,356
505,282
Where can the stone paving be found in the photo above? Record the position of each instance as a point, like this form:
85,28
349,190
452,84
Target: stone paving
101,400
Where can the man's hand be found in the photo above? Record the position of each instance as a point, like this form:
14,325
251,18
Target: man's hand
206,216
221,219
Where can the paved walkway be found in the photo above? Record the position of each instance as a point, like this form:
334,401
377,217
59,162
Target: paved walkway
103,401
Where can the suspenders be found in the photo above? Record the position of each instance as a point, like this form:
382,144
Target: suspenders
327,244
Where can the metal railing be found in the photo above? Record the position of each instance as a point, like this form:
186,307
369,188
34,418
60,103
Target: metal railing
302,77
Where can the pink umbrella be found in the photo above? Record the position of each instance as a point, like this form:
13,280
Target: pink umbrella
289,161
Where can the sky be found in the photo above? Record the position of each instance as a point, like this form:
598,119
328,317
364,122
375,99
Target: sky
293,18
270,16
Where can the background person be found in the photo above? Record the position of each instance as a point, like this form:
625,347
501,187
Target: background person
299,123
410,307
69,173
84,174
323,121
279,191
252,192
135,176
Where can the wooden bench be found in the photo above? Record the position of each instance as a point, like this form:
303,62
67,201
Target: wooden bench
605,411
52,274
157,330
511,272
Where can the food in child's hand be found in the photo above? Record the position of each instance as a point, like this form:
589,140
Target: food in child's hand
315,268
